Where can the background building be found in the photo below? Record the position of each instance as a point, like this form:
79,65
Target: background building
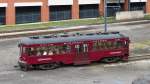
28,11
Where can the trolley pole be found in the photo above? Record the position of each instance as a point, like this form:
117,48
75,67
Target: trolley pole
105,14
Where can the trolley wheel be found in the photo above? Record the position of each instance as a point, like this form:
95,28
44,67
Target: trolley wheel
24,68
110,59
49,66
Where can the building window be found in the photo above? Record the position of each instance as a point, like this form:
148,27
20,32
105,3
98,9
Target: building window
89,11
2,16
28,14
138,6
60,13
113,8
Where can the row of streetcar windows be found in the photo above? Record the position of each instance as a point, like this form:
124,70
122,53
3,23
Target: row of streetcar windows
101,45
56,49
49,50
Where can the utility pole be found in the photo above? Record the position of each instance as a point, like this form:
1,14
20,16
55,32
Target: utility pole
105,14
129,5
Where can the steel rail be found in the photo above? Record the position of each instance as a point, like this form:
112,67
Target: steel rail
42,32
139,57
130,59
31,32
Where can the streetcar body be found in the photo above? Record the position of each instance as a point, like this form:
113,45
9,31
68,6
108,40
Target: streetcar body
49,53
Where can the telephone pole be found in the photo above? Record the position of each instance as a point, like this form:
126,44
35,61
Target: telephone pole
105,14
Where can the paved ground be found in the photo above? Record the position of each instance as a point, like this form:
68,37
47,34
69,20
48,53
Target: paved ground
92,74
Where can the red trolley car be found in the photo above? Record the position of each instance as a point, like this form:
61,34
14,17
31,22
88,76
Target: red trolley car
49,52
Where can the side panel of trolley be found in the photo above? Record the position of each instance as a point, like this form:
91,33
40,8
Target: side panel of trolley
109,48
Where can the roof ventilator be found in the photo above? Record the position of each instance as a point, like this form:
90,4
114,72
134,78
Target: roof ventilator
114,32
105,33
79,34
48,36
64,35
89,34
34,37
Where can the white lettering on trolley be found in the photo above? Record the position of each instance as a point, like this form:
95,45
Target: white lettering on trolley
44,59
117,52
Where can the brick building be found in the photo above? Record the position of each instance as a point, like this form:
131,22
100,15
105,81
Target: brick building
28,11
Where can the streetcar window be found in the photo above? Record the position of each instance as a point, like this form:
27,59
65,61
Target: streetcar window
49,50
109,45
42,51
23,50
126,43
38,52
59,49
94,46
54,50
32,51
66,48
81,48
120,44
98,45
85,48
115,45
104,45
27,51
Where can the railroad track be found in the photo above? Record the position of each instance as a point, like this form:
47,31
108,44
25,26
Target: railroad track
60,30
139,57
43,32
131,59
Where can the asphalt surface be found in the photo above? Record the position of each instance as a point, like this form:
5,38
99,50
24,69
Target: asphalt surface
122,73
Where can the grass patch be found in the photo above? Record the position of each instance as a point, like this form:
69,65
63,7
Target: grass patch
146,42
67,23
147,17
138,46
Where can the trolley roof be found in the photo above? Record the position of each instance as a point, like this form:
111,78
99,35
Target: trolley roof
42,40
